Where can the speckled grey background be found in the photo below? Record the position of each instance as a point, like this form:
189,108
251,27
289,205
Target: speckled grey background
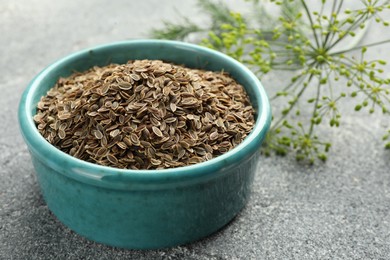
337,210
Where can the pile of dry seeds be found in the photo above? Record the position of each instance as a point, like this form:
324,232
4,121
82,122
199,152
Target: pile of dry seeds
145,114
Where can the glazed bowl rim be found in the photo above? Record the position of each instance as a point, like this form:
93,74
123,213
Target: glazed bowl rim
91,172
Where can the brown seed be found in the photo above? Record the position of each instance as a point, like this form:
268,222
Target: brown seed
121,119
200,151
112,115
219,122
101,152
41,127
135,77
93,113
198,124
145,114
64,115
139,161
108,104
122,145
163,126
161,140
226,144
157,131
103,141
139,88
181,124
193,134
189,101
125,85
38,118
170,120
111,127
166,91
181,152
112,159
115,105
173,107
223,150
185,144
115,132
167,145
155,161
61,134
134,139
194,160
208,148
146,133
154,121
145,144
209,116
62,126
213,136
98,134
127,141
105,89
127,129
67,143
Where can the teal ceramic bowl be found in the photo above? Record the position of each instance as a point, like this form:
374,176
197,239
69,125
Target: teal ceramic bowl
147,208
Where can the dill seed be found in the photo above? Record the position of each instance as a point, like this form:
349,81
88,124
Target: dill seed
146,114
157,131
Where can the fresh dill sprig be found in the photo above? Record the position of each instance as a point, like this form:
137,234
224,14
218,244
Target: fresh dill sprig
311,39
218,12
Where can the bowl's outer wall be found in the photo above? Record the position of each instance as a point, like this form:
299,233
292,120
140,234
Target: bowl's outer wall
149,215
151,218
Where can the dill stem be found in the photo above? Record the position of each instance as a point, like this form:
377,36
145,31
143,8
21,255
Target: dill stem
311,22
292,105
359,47
315,108
351,28
331,21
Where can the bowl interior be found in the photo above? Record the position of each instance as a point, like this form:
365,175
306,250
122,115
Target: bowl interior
189,55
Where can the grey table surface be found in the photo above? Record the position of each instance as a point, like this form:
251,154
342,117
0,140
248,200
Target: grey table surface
336,210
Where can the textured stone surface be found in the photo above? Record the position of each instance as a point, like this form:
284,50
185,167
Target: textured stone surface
337,210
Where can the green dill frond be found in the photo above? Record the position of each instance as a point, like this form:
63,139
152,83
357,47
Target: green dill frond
218,11
172,31
314,43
